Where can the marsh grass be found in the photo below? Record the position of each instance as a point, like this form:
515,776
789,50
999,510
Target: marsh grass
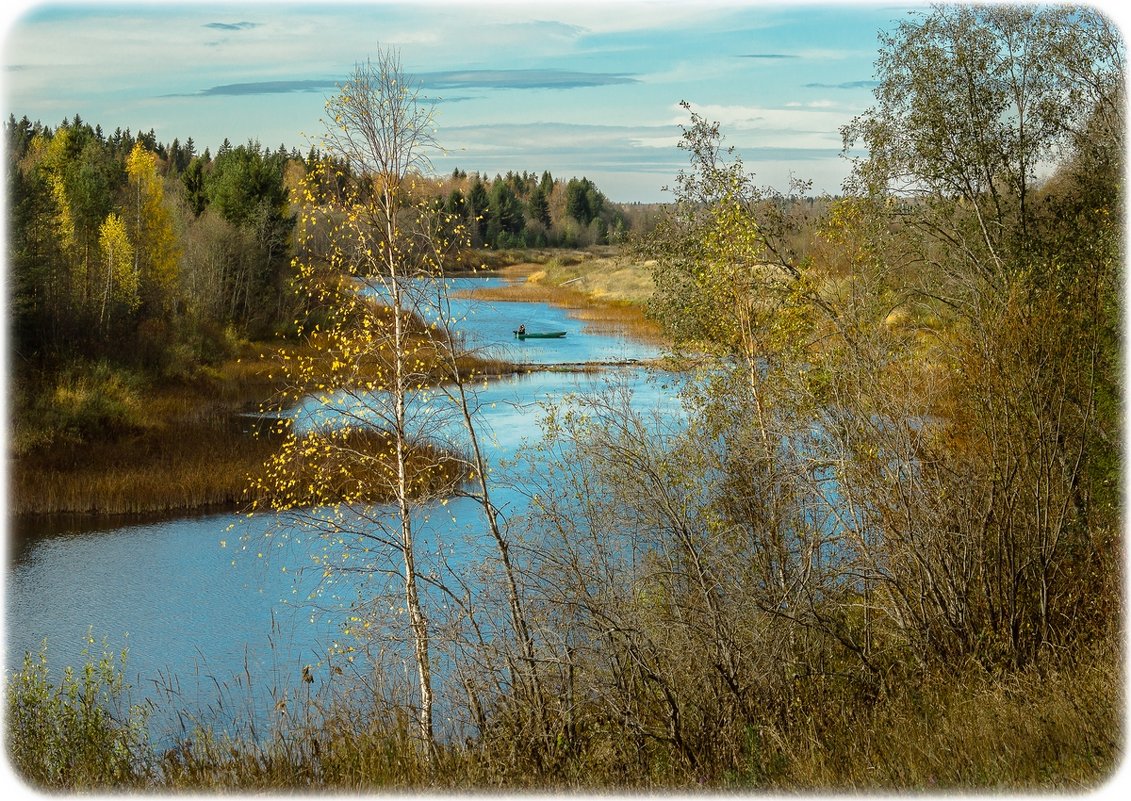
174,446
105,440
1049,727
354,466
190,468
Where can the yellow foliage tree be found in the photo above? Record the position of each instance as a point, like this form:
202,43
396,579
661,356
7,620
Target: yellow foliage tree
119,278
151,228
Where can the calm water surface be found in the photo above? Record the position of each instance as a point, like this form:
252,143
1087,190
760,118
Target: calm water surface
488,327
199,610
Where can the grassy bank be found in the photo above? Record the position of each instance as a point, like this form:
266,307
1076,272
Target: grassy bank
102,439
1050,727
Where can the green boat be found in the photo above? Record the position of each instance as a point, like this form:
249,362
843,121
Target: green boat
539,334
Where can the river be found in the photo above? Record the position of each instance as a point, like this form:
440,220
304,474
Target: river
213,623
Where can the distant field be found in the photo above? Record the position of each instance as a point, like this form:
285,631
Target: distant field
607,276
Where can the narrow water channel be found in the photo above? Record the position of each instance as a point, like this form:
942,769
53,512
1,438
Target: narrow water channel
209,621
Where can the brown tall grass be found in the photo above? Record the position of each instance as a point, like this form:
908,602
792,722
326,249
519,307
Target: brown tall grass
192,467
605,290
1052,727
353,466
175,446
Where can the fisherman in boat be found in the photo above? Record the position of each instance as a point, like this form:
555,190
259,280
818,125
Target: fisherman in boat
522,329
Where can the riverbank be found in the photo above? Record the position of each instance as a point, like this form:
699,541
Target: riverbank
161,447
602,287
110,441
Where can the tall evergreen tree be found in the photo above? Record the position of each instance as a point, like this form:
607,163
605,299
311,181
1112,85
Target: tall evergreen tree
478,202
540,207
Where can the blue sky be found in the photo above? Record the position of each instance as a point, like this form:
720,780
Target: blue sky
583,88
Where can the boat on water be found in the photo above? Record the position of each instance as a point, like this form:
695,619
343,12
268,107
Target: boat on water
539,334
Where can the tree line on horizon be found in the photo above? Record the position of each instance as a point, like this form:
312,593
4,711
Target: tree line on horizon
155,254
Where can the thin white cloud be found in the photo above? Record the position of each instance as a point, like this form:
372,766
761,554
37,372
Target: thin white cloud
834,54
822,104
739,117
153,65
761,126
657,142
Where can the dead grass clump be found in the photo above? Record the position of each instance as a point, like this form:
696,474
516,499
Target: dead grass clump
1044,728
352,466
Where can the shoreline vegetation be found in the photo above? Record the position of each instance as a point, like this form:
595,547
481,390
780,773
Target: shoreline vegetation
1043,728
191,445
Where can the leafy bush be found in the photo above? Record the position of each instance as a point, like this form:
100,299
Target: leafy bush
78,733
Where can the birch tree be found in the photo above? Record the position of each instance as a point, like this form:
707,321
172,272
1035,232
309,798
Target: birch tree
119,277
382,452
151,225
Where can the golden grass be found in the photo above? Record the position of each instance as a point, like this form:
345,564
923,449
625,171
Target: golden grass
193,466
354,466
607,292
190,463
143,486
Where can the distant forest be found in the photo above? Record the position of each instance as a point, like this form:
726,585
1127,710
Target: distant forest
126,248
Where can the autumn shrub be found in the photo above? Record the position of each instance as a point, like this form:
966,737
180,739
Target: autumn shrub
85,402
